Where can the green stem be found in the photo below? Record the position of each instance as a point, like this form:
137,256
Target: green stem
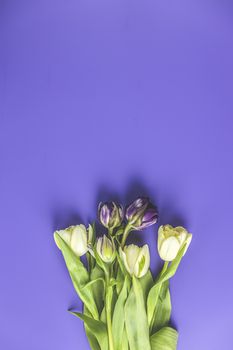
110,232
165,266
89,262
125,235
108,308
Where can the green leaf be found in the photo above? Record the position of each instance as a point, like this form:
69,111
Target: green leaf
98,328
118,321
103,315
155,290
125,343
136,320
163,308
121,264
120,280
171,270
98,286
165,339
90,335
79,276
146,284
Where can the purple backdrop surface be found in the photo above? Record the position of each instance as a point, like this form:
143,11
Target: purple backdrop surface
110,99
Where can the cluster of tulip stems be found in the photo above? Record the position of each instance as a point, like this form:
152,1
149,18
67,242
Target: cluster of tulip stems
125,307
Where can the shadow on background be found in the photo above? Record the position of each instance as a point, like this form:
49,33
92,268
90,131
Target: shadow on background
166,203
63,217
136,187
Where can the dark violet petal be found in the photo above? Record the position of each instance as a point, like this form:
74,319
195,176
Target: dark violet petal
136,207
150,215
149,218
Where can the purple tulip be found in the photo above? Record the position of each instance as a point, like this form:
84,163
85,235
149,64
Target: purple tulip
110,214
150,217
141,213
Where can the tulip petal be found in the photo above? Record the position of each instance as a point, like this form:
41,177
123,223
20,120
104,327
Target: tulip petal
169,248
79,240
161,236
132,251
188,241
64,234
123,258
143,262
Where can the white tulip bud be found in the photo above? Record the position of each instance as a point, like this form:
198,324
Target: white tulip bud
106,249
171,240
76,237
136,259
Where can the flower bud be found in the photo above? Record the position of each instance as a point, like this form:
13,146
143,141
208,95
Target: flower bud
110,214
136,259
90,235
171,240
76,237
106,249
141,213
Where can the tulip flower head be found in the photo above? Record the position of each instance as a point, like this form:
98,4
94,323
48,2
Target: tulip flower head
141,214
106,249
171,240
77,237
110,214
136,259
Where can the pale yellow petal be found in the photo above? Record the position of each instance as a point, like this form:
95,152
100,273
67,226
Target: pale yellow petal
145,256
79,240
169,249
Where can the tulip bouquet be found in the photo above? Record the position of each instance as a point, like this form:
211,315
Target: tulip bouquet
125,308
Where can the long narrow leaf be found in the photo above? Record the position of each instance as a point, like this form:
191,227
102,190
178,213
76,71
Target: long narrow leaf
170,272
98,328
155,290
165,339
125,343
93,342
136,320
79,276
98,288
162,309
118,321
146,283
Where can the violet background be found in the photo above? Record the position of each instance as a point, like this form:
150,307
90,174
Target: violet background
108,100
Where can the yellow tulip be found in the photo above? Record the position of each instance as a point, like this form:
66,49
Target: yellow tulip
171,240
